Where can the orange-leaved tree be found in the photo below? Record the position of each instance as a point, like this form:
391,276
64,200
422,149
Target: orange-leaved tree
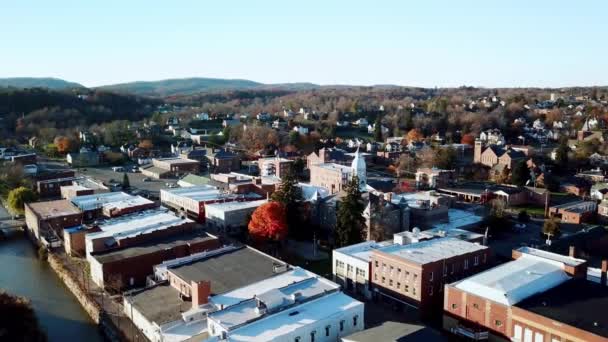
268,222
468,139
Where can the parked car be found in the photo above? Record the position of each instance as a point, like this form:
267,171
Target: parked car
118,169
147,179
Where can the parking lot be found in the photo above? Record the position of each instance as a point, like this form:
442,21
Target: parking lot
136,180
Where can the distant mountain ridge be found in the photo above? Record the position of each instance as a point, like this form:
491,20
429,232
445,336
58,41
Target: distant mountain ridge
38,82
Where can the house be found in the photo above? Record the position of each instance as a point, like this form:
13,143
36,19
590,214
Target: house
279,124
301,130
361,123
221,160
170,167
492,137
433,177
263,117
288,114
83,159
538,296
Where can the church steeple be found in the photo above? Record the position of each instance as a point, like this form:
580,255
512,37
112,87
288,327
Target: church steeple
359,169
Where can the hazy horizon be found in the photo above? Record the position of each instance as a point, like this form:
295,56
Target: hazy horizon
545,44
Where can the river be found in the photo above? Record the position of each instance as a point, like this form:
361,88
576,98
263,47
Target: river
60,315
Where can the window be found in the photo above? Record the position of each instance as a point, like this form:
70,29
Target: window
375,276
327,330
398,285
383,279
376,263
355,317
297,339
407,288
431,276
454,306
476,260
476,306
360,272
498,323
466,264
517,332
538,337
342,325
312,335
390,282
484,258
414,291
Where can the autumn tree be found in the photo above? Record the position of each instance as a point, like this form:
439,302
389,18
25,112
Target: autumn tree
551,227
125,181
19,321
378,129
445,158
146,144
289,195
467,139
64,144
561,154
268,223
350,224
18,197
407,164
414,135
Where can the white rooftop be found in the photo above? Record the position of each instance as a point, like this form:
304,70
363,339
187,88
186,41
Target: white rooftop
111,199
336,167
249,291
285,322
197,193
274,300
235,205
432,250
458,218
313,192
516,280
136,224
362,250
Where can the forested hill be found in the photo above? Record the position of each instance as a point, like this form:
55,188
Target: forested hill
180,86
29,110
38,82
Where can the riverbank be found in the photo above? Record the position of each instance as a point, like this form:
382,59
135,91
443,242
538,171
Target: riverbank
59,313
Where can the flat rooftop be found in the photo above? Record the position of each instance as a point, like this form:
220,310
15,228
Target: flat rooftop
151,247
228,271
288,321
177,160
235,205
50,209
118,200
396,332
458,218
197,193
335,167
247,292
516,280
363,250
75,187
274,300
160,304
432,250
140,223
576,302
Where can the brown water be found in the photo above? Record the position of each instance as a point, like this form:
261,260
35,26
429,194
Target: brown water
60,315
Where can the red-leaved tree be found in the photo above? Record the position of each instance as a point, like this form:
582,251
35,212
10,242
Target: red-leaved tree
268,222
468,139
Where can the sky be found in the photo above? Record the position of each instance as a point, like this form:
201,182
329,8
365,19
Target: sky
426,43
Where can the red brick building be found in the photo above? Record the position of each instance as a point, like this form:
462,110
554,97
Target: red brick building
539,296
44,218
414,274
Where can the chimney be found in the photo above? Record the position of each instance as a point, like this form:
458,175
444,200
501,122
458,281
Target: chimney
572,253
603,272
200,293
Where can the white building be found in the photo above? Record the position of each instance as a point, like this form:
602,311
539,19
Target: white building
229,215
492,137
301,130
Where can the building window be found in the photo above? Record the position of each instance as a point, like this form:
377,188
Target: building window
327,330
375,276
383,280
312,335
342,325
390,282
297,339
476,306
476,260
454,306
414,291
498,323
466,264
431,276
376,263
355,317
399,285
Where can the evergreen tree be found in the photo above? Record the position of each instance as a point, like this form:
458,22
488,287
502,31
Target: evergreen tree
378,129
125,181
350,221
561,154
289,195
520,173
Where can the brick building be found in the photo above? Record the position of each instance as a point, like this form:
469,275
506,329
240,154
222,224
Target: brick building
111,204
48,219
170,167
274,166
539,296
129,266
414,274
574,212
48,188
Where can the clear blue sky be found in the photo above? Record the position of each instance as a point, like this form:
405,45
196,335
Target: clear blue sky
420,43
